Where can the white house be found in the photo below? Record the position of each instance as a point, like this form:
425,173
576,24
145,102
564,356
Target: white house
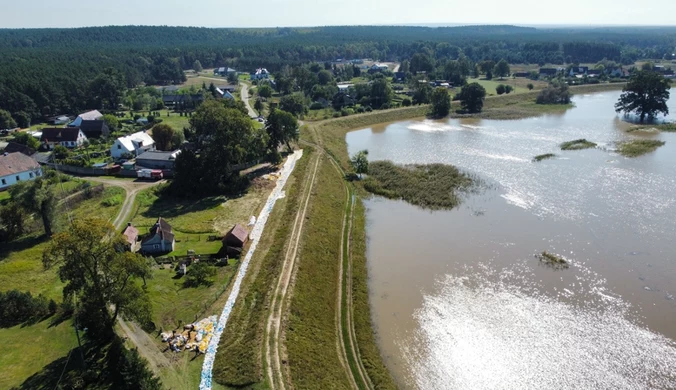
260,74
70,137
133,144
87,116
16,167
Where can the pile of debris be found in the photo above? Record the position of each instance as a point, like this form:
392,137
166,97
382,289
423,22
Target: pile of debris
195,337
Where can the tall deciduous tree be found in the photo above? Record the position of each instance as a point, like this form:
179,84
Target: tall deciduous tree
645,94
197,66
441,102
36,196
264,90
282,128
163,135
472,97
24,138
112,122
501,69
96,270
6,120
294,103
360,162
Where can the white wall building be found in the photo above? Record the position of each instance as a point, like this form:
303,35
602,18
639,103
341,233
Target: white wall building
87,116
133,144
17,167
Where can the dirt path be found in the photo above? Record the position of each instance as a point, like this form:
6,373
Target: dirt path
131,188
147,347
244,91
272,346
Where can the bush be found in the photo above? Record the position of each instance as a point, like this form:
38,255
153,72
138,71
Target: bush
17,307
113,200
361,109
508,89
199,274
316,106
555,93
336,114
530,86
500,89
406,102
369,109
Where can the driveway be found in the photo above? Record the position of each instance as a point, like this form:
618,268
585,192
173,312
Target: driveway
245,98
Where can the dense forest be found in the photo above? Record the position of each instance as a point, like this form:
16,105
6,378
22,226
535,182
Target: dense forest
52,71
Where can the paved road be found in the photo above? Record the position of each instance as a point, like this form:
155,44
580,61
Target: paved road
245,98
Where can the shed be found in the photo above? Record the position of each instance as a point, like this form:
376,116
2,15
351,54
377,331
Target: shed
236,237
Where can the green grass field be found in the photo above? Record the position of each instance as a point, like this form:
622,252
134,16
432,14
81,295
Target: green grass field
26,350
215,215
174,304
311,330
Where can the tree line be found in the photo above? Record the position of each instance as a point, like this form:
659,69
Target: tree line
52,71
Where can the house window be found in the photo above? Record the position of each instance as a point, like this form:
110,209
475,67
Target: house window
119,146
156,246
18,178
4,182
30,174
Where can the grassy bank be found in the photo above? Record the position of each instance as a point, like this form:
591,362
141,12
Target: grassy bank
311,330
638,147
431,186
239,362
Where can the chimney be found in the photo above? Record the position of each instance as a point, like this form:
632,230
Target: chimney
128,223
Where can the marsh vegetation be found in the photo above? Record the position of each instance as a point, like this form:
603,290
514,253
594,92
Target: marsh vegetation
431,186
545,156
578,144
638,147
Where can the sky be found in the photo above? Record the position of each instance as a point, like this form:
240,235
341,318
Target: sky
286,13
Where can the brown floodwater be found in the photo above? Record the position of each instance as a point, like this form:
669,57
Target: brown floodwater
460,302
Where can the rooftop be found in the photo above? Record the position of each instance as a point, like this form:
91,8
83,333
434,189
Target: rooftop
158,156
13,163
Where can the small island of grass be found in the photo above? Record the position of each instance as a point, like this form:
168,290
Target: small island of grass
545,156
577,144
638,147
431,186
552,260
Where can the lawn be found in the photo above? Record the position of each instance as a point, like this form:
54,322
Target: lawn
21,268
4,196
27,350
174,304
210,215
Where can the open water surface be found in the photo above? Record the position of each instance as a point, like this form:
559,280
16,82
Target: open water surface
459,300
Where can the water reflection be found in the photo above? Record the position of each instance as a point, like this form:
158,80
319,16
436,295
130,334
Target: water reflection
459,300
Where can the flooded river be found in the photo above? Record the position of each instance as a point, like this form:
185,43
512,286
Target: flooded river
459,300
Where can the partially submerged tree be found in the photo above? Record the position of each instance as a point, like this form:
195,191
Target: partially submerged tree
472,97
360,162
97,271
645,94
556,93
441,102
36,196
282,128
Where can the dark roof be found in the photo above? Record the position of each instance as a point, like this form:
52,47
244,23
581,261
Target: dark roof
13,147
162,228
60,134
229,88
155,156
95,128
13,163
238,234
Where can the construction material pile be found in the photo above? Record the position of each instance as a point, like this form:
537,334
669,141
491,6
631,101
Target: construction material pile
195,337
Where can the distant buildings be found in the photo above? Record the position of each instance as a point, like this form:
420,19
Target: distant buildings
87,116
132,145
17,167
260,74
157,159
223,71
70,137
